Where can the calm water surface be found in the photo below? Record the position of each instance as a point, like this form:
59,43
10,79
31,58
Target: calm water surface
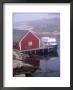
49,67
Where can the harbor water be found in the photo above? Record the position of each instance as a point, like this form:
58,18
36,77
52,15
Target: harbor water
49,67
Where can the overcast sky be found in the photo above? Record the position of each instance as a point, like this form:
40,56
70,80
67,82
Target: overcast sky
20,17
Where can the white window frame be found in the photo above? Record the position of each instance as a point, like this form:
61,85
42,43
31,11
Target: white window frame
30,43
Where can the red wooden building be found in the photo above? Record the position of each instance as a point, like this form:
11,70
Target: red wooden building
25,40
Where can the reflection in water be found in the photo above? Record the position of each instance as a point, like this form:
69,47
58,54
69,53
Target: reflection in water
49,67
44,67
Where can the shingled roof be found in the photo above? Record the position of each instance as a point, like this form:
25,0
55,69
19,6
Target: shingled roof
18,34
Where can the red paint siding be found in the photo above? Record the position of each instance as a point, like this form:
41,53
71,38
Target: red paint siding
29,37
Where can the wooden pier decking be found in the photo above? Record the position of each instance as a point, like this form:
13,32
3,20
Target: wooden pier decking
40,51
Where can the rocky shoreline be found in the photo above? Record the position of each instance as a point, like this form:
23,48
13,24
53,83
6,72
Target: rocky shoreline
20,67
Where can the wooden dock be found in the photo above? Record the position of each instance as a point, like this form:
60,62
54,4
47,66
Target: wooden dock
40,51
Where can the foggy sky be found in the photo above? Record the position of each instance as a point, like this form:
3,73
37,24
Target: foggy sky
20,17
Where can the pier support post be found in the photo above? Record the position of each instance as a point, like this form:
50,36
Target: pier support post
43,51
35,51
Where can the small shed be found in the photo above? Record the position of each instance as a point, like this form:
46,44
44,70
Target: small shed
23,39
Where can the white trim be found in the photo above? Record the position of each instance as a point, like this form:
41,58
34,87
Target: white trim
34,34
39,43
36,37
19,46
25,36
22,39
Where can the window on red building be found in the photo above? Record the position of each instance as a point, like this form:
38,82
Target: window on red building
30,43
